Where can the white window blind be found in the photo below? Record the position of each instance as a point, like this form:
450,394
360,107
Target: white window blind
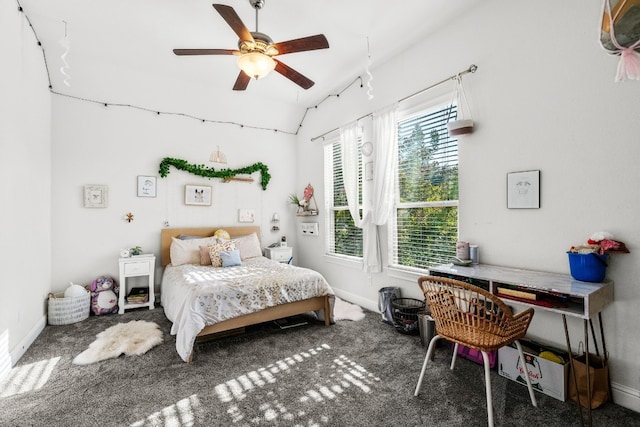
343,238
426,212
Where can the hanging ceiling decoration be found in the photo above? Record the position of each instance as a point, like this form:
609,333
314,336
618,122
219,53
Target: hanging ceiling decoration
620,35
256,50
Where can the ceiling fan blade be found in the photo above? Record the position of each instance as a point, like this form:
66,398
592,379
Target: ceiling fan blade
318,41
234,21
242,81
206,52
293,75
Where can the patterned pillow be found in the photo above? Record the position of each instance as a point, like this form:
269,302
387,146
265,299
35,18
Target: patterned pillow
217,248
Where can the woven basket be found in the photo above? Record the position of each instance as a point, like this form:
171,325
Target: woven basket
63,311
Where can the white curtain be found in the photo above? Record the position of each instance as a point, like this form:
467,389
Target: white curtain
385,140
349,143
376,211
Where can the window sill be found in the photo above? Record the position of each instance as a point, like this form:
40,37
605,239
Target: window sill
406,273
344,261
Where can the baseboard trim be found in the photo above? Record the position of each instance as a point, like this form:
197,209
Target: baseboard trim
626,397
18,351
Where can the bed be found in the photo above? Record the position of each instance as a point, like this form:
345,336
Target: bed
202,300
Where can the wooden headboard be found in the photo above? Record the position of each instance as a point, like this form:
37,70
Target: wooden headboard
167,233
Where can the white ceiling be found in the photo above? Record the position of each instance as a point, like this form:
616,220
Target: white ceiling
118,46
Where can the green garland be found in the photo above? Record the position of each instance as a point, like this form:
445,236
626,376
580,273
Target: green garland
202,170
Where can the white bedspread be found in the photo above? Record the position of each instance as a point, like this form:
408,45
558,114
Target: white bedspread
195,296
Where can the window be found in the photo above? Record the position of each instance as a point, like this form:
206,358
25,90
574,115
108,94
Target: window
426,210
344,238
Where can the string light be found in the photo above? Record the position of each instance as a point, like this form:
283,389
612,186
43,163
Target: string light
109,104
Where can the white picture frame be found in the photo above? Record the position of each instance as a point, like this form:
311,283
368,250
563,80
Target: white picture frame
523,190
147,186
246,215
96,196
197,195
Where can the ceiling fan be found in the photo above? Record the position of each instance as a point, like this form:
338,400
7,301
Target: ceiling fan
256,51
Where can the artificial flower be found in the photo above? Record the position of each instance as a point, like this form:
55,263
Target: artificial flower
601,243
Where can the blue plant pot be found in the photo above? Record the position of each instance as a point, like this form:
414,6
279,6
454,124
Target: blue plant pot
590,267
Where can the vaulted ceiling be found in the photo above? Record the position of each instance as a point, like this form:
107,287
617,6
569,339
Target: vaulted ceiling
120,51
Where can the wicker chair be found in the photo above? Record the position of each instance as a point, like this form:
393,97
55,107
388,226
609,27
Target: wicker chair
469,315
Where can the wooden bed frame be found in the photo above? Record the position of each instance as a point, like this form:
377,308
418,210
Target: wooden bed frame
268,314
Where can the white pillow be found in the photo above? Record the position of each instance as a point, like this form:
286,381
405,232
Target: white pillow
249,246
188,251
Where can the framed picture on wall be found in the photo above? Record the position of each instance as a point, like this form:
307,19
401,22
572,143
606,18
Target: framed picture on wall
523,190
246,215
198,195
146,186
96,196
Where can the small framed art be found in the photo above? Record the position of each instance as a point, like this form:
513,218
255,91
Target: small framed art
146,186
246,215
96,196
523,190
198,195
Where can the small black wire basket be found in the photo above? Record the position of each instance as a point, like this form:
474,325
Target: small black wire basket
405,314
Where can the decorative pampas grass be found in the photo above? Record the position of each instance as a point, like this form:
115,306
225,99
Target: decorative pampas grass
133,339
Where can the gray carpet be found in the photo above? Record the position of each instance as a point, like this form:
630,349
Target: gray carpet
349,374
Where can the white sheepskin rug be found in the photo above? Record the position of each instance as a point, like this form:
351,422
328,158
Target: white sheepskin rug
133,339
343,310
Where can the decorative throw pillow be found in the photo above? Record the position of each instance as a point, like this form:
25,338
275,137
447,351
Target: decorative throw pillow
230,258
188,251
216,249
205,259
249,246
222,234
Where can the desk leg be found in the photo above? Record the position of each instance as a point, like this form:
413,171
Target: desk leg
605,355
571,367
586,349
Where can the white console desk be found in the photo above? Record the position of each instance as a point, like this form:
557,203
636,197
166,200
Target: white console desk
570,297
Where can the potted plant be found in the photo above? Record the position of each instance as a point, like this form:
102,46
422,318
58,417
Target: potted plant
461,125
588,262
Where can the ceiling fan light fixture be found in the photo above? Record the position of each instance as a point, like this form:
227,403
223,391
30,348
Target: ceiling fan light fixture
256,64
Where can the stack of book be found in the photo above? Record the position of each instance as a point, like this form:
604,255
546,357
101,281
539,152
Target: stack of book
531,296
138,296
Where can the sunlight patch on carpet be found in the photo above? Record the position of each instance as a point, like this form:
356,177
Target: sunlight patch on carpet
180,414
282,391
28,378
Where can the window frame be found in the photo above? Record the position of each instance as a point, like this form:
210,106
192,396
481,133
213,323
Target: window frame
329,197
393,261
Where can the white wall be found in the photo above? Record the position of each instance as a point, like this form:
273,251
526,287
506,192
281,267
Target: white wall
25,174
94,144
543,98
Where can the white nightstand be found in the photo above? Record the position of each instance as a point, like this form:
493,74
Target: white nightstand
140,265
280,254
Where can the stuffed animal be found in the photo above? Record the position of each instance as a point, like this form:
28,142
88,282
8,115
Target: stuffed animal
104,295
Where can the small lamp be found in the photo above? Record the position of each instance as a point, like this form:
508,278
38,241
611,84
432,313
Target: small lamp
218,157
